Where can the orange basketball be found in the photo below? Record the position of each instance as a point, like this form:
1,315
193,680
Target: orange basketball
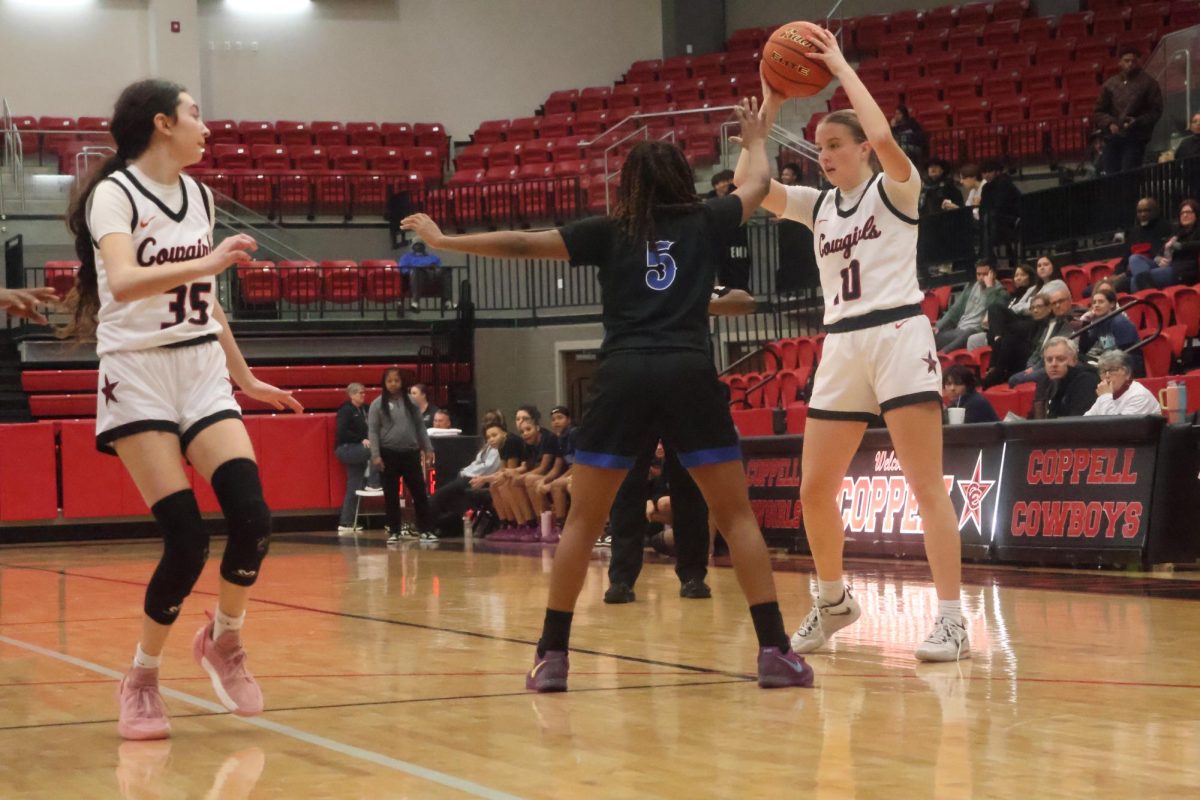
786,64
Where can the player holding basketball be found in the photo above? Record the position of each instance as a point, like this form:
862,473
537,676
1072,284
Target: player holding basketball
144,236
658,256
879,355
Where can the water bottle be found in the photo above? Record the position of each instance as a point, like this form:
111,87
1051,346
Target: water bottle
469,524
1173,399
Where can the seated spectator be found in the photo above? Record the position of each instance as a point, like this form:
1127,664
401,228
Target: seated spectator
448,503
1178,262
539,485
493,415
1109,330
1146,237
425,276
1118,392
970,179
419,393
1188,146
1049,276
789,174
1011,348
441,419
353,448
512,455
966,314
1058,323
999,212
909,134
959,384
1069,388
518,487
999,318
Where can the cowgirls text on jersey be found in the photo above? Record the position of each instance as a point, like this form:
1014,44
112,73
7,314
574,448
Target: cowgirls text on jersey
148,257
846,244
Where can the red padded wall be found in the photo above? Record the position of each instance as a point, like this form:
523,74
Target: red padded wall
28,483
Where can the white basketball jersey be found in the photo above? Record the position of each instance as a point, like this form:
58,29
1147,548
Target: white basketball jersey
867,254
160,236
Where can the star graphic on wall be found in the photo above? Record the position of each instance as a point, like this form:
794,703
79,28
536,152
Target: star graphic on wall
110,391
973,491
930,361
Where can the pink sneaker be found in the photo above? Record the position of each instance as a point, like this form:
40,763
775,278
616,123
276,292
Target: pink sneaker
143,713
225,662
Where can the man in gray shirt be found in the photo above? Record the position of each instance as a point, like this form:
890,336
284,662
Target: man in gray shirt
966,314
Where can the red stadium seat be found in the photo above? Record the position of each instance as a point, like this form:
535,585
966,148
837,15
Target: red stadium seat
491,131
709,65
524,129
677,68
253,133
258,282
1036,30
382,282
364,134
593,98
270,156
473,157
1001,34
943,66
965,37
1186,303
561,102
591,123
222,131
754,421
965,89
1157,355
293,132
1184,14
348,157
309,157
60,276
385,159
1111,21
341,282
978,61
555,126
505,154
398,134
643,71
232,156
328,134
426,161
539,151
301,283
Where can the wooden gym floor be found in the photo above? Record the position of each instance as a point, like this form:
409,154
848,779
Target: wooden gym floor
398,673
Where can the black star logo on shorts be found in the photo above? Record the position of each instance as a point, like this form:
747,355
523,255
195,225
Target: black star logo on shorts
110,391
930,362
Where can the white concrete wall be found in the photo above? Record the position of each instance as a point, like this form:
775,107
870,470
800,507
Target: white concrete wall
457,62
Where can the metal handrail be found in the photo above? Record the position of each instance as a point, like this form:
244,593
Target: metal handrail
1120,310
769,347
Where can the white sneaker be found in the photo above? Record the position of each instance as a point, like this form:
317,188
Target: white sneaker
370,491
346,530
824,621
947,642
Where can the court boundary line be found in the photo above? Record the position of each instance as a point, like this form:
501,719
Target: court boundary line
349,750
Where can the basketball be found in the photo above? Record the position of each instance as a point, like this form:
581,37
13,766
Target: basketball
786,64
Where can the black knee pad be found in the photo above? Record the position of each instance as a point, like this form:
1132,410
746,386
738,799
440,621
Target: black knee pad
239,491
185,551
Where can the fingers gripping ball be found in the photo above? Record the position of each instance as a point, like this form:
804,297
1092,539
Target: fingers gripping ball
788,68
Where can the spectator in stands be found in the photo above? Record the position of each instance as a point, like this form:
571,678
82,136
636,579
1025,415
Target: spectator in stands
734,271
797,261
1069,389
1110,330
400,449
960,385
441,419
1049,276
539,485
512,454
1127,110
999,212
909,134
938,192
24,303
1178,262
425,275
1118,392
450,500
419,394
541,449
353,448
966,314
1149,233
492,415
1056,325
1189,145
1011,347
1001,317
972,180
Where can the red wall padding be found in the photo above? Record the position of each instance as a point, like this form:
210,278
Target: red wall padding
28,483
94,484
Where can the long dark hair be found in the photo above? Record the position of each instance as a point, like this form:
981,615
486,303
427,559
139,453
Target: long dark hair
655,177
132,127
386,397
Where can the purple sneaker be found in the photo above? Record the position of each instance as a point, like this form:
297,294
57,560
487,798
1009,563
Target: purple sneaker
505,534
530,533
549,673
776,670
554,535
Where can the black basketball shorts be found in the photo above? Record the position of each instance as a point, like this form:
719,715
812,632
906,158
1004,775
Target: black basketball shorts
640,396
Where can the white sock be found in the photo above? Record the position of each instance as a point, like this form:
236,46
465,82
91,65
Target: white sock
223,622
140,659
951,609
830,593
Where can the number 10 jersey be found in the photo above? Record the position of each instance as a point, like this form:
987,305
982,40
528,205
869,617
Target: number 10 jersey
160,236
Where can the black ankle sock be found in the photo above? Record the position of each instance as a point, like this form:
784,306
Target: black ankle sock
768,626
556,631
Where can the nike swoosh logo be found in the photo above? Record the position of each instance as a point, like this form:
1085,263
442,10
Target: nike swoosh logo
538,668
145,222
901,324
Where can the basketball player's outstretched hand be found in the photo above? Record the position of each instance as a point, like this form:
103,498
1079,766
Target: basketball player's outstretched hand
234,250
751,120
827,48
424,227
24,302
277,398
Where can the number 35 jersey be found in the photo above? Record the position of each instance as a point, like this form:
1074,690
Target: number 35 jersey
865,242
169,225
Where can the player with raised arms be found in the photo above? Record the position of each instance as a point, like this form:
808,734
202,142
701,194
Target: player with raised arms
657,256
879,355
145,291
